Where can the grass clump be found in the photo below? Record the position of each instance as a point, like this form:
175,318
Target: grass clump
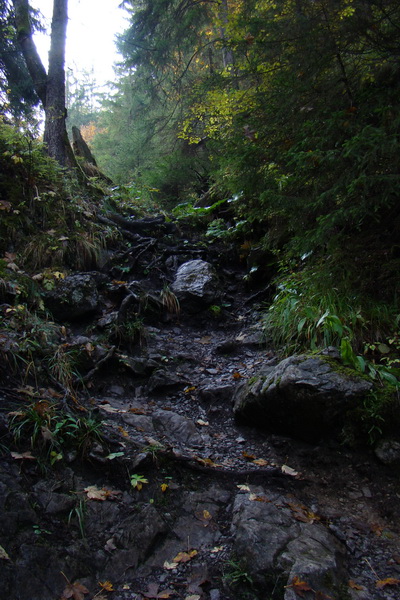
51,432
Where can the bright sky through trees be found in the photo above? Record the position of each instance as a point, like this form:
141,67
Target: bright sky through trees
91,32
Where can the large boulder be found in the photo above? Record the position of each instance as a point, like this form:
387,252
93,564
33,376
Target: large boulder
273,544
196,285
74,297
304,397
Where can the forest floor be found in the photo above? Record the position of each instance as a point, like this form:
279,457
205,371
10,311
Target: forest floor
159,524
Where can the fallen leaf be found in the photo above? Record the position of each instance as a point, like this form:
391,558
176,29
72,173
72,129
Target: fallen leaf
114,455
261,462
170,565
202,423
110,409
377,529
164,487
248,456
299,586
205,340
301,513
237,375
388,581
193,597
207,462
189,389
123,431
243,488
3,554
46,433
153,592
23,456
109,545
257,498
95,493
289,471
204,516
355,586
107,586
75,590
217,549
137,411
183,557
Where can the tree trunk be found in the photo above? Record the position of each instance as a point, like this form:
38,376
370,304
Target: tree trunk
55,132
50,86
30,54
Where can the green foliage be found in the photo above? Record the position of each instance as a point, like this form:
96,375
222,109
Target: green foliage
17,96
52,432
236,574
309,313
79,513
137,481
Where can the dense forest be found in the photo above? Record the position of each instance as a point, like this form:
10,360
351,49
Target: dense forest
271,124
199,311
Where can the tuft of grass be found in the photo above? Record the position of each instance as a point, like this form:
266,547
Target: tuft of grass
51,432
170,301
309,313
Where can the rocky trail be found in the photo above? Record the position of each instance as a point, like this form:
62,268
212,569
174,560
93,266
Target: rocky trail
181,499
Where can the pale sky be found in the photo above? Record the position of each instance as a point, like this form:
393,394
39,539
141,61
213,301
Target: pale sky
91,32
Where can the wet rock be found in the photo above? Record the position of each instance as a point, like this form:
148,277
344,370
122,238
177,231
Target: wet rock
196,285
302,396
140,422
272,542
139,365
177,428
215,393
134,536
35,565
163,379
74,297
388,452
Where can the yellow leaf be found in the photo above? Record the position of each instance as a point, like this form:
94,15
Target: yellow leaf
164,487
106,585
388,581
183,557
123,431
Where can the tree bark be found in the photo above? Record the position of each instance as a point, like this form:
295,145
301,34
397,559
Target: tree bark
50,87
55,132
29,51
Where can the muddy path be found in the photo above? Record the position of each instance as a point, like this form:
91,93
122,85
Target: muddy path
178,500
